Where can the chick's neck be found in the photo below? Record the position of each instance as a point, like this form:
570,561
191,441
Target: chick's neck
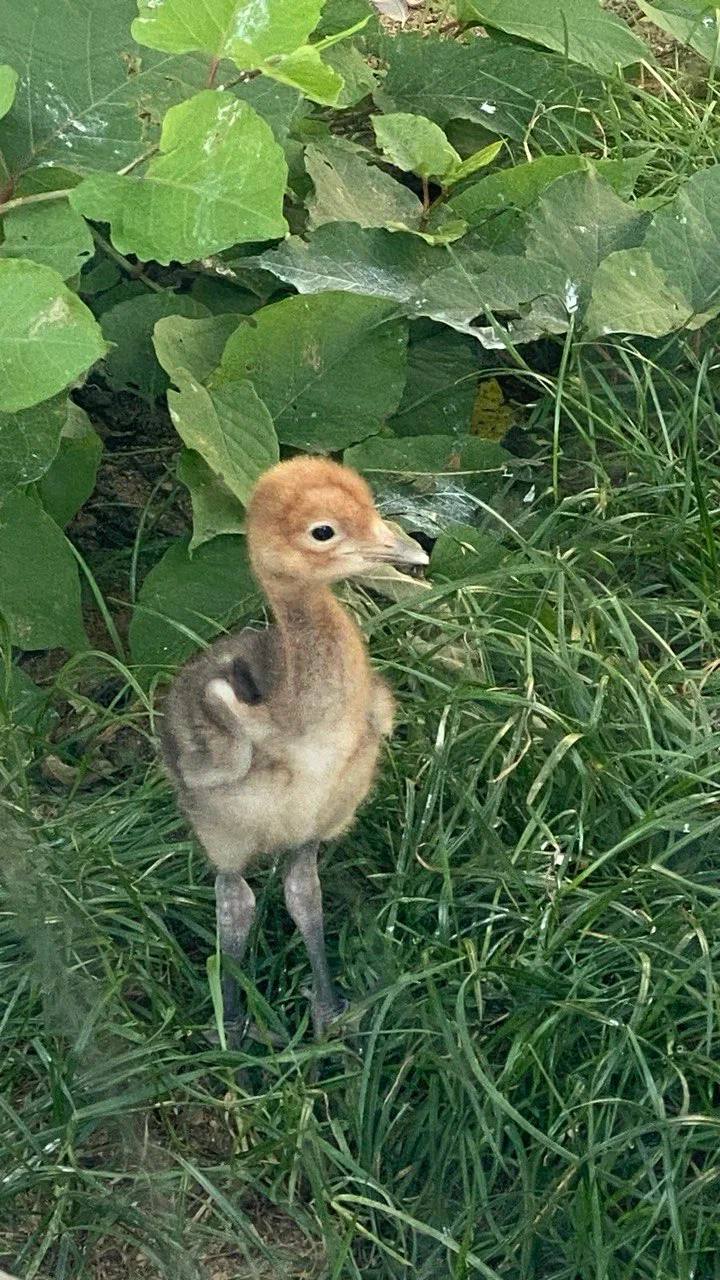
323,654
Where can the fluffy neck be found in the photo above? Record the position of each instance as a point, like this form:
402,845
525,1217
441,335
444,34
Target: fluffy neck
322,651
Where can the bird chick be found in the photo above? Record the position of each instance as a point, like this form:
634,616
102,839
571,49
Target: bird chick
272,736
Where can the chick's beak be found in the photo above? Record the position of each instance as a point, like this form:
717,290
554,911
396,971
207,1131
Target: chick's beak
400,549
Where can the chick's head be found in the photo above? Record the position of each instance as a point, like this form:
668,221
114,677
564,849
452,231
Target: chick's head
310,519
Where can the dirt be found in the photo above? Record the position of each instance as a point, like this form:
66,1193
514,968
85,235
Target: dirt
140,447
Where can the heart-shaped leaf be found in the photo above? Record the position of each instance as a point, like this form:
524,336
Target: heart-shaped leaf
415,143
8,85
70,480
243,30
348,189
304,69
29,441
229,427
52,234
47,335
39,585
522,184
329,368
219,181
215,510
674,278
88,97
185,600
129,326
508,88
579,29
193,345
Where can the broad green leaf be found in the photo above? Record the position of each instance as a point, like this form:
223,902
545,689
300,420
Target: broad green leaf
70,480
506,87
278,104
580,29
348,189
476,283
693,22
51,177
193,345
52,234
222,297
425,463
220,180
29,441
478,160
305,70
215,510
464,550
25,703
99,278
229,427
8,85
683,241
522,184
131,362
442,376
342,256
631,294
676,278
416,144
453,285
270,36
88,97
244,30
329,368
185,600
39,585
577,222
358,77
340,15
48,338
121,291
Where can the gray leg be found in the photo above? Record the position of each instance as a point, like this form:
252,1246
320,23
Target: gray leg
303,899
235,903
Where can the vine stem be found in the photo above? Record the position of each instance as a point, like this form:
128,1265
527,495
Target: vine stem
130,268
41,196
6,206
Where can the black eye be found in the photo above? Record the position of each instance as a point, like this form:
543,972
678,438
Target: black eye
323,532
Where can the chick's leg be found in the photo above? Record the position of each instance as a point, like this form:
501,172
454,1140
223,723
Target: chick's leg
235,905
303,899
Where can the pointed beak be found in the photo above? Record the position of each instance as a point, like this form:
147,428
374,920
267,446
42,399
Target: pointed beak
402,550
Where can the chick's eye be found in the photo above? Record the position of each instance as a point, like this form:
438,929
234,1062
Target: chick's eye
323,532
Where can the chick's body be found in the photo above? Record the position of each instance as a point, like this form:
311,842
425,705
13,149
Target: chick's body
314,760
272,736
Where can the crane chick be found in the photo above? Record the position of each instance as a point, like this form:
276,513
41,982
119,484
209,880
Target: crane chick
272,736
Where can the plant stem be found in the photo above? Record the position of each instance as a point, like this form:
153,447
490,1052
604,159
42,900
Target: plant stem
133,270
213,72
137,161
39,198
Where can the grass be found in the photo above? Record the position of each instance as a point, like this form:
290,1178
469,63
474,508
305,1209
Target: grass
526,918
